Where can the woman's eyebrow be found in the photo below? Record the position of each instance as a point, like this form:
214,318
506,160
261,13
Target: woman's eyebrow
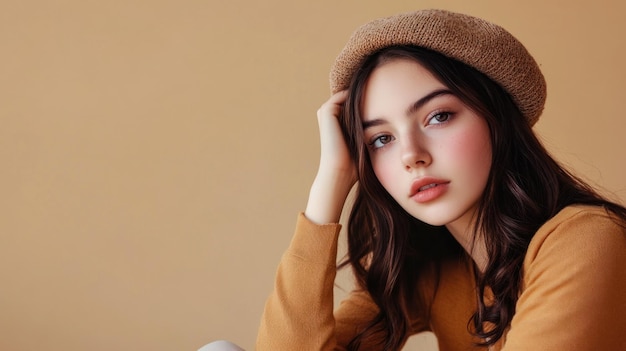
414,107
423,101
373,123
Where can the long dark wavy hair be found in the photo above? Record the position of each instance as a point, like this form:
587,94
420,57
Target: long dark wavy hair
388,248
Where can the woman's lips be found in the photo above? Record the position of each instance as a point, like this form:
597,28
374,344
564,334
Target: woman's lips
428,189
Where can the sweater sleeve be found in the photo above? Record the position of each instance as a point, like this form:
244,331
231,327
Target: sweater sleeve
298,314
574,293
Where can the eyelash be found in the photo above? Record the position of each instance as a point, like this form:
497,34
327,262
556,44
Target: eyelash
372,144
439,113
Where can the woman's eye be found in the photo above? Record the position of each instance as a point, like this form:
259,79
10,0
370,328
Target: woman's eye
440,117
381,141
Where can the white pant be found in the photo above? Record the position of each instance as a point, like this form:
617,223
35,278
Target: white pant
220,345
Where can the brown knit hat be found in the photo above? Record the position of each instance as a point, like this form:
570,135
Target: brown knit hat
473,41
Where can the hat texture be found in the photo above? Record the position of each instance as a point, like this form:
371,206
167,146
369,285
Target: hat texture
480,44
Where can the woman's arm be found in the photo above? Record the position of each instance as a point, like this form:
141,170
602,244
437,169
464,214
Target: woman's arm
299,313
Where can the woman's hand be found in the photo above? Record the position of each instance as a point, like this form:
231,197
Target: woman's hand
335,159
336,174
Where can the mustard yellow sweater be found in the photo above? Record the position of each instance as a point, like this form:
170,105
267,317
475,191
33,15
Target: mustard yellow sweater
573,296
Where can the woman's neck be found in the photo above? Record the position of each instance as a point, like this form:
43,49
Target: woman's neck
463,231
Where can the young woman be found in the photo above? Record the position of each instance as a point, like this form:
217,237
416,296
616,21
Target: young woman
462,224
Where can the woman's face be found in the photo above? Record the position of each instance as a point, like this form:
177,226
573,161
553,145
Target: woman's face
427,148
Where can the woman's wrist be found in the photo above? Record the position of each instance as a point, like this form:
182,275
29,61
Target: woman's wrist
327,197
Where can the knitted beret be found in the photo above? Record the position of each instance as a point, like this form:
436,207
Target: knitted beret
482,45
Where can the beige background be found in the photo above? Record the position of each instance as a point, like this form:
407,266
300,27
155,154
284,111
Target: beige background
155,153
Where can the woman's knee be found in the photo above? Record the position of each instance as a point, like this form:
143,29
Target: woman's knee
220,345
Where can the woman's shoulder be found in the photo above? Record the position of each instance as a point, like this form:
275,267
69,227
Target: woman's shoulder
573,284
581,218
578,230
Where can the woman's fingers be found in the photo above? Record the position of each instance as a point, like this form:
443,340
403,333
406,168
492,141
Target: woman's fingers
333,105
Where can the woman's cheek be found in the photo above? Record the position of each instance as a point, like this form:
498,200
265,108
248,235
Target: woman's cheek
386,174
471,151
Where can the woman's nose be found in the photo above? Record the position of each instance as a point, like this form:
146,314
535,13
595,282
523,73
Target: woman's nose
415,154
